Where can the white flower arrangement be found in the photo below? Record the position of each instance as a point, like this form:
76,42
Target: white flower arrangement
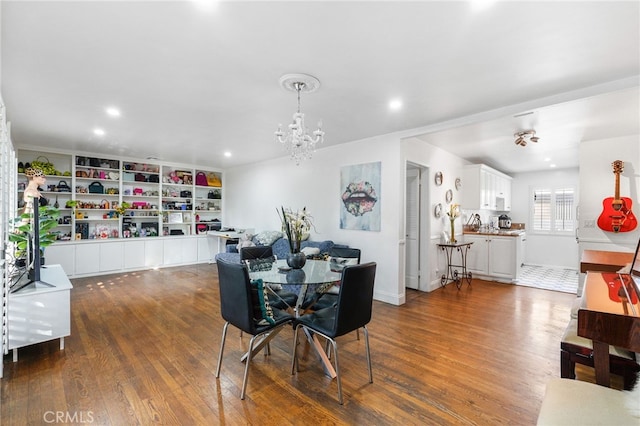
295,225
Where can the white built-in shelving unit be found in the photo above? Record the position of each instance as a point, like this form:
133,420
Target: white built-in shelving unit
121,214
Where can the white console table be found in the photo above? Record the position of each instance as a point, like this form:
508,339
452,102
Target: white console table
226,235
39,313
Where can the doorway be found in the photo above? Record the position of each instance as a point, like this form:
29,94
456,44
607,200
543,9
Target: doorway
416,226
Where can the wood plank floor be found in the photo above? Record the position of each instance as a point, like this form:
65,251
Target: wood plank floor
143,350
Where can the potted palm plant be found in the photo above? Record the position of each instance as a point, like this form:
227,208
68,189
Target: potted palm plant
23,233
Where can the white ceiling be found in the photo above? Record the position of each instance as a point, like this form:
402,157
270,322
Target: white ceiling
192,83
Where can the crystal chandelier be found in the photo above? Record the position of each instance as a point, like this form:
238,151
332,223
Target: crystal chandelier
300,144
526,136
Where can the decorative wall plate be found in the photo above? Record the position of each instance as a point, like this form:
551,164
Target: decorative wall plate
458,184
437,210
438,178
448,196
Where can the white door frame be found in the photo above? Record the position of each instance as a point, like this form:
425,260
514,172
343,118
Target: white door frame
424,225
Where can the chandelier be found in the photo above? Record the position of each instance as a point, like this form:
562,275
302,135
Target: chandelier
522,138
300,144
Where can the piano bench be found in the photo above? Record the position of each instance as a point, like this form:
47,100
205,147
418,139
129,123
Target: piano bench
572,402
575,349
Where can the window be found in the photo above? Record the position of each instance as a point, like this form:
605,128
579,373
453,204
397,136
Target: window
553,210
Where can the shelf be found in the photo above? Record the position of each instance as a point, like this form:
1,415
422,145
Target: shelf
155,186
99,179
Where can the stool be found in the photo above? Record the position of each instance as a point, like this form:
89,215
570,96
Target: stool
575,349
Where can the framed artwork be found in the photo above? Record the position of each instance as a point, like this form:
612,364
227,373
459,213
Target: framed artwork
175,217
360,197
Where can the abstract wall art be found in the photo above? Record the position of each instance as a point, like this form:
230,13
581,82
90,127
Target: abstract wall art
360,197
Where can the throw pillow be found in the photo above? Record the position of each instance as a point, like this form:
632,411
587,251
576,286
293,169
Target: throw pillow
320,256
264,264
262,312
266,238
245,241
310,251
338,263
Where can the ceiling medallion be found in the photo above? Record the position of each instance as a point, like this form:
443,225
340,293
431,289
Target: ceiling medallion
296,139
522,138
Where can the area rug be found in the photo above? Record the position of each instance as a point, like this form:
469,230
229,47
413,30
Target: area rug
547,278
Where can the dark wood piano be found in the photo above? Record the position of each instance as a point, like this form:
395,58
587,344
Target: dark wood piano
609,315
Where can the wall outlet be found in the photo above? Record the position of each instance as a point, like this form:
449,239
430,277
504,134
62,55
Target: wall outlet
589,223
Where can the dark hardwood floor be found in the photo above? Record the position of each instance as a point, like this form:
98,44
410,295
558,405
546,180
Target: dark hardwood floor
144,345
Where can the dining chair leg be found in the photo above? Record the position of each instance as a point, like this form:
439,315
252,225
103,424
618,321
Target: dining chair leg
224,336
337,367
294,355
366,345
246,368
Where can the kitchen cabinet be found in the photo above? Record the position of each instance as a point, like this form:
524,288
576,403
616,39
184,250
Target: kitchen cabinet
485,188
494,256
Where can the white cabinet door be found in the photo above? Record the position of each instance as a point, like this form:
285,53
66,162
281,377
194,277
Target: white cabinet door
62,254
111,256
153,253
189,250
207,249
482,186
134,254
87,258
502,257
478,254
491,190
172,252
180,250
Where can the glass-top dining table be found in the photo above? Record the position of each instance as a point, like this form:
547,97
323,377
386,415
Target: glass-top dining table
316,275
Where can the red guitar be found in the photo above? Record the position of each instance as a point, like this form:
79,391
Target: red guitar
616,213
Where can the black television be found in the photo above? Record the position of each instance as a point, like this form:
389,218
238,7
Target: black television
34,262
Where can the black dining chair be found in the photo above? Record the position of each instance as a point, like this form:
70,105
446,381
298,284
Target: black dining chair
238,302
351,312
339,257
259,257
255,252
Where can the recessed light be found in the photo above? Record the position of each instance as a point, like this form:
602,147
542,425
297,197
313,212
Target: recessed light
227,154
98,132
547,159
206,5
113,112
395,104
552,165
481,4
